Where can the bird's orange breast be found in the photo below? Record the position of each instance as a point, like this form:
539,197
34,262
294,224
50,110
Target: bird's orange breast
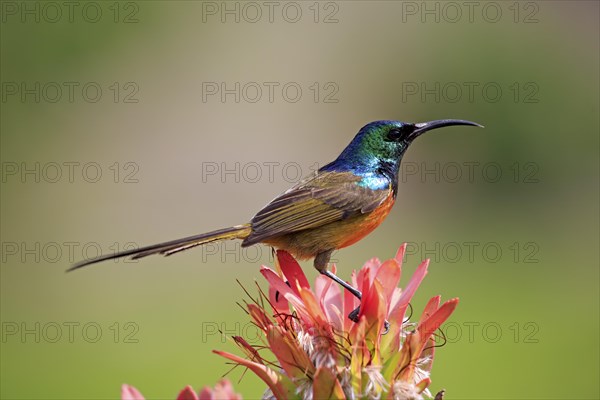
364,225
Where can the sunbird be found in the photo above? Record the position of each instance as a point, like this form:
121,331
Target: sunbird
333,208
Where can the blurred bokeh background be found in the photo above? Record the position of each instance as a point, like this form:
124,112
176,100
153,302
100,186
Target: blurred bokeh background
137,122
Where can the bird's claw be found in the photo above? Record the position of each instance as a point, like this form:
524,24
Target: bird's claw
386,327
353,316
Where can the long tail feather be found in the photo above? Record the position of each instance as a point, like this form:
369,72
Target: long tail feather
173,246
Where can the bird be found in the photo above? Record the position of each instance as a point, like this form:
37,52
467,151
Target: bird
335,207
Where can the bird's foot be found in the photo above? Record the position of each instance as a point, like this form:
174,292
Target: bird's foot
321,266
353,316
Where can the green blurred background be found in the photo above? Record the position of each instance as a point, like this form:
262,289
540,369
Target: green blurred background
528,321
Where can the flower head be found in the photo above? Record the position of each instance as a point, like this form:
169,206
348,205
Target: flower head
222,391
322,354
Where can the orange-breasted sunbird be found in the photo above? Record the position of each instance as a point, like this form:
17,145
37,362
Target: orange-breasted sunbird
335,207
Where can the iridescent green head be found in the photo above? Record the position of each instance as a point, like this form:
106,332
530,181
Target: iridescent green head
386,141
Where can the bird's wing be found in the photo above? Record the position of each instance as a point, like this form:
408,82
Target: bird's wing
321,199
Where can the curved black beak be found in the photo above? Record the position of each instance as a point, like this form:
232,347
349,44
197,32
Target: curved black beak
423,127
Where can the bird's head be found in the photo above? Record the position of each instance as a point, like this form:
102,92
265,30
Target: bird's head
386,141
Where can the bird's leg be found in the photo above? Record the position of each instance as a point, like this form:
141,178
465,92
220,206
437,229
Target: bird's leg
321,261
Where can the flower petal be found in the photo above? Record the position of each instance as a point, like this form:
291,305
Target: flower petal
313,307
292,270
188,394
128,392
423,384
431,324
396,314
418,339
330,300
291,356
259,316
374,310
205,394
278,302
400,254
224,391
326,385
277,285
360,357
275,281
413,285
389,276
280,385
247,348
366,275
430,308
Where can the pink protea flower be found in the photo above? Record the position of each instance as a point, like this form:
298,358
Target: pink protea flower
128,392
321,354
223,391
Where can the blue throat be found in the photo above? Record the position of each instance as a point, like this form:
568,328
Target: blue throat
371,157
376,174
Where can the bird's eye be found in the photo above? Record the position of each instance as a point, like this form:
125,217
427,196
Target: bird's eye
397,133
394,134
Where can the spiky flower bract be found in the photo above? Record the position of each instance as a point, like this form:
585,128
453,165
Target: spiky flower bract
321,354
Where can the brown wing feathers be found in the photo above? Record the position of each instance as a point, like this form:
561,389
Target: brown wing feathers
323,199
